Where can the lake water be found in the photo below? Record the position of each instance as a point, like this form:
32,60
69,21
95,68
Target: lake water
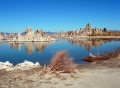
42,52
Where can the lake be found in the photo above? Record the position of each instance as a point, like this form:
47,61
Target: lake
42,52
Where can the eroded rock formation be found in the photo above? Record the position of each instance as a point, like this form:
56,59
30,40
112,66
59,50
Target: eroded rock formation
30,35
87,31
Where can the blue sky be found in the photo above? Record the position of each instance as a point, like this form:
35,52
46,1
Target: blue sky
57,15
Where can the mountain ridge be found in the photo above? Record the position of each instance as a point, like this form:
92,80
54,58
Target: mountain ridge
23,33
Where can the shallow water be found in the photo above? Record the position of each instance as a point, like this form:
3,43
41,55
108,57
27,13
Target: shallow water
42,52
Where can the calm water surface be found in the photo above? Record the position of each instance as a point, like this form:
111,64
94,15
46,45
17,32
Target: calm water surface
42,52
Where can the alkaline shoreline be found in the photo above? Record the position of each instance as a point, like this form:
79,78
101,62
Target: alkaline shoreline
96,74
94,37
90,59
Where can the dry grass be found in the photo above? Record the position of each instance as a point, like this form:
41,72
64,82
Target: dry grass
60,63
63,78
68,84
106,56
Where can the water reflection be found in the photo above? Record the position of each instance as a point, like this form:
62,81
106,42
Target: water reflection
29,46
0,41
62,39
13,45
40,46
89,43
78,49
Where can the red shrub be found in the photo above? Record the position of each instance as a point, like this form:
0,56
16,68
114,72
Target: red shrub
62,62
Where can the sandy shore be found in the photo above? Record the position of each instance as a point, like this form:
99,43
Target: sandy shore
101,73
104,74
103,37
91,37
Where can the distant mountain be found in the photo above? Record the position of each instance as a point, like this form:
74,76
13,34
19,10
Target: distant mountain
14,33
115,30
5,32
50,32
23,33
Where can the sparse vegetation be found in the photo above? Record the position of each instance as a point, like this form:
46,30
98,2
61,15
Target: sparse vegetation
106,34
60,63
106,56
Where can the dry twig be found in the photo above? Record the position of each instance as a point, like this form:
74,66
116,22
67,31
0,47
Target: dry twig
60,63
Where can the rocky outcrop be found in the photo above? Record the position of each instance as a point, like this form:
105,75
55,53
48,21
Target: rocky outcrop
21,66
1,36
87,31
29,36
29,32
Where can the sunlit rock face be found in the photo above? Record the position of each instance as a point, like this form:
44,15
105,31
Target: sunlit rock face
62,34
40,32
29,32
1,36
39,35
19,36
30,35
88,30
12,35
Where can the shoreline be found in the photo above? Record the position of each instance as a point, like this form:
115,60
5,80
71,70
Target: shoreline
96,74
92,75
52,39
89,59
117,37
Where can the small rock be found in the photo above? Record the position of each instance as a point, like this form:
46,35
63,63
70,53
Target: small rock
37,64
